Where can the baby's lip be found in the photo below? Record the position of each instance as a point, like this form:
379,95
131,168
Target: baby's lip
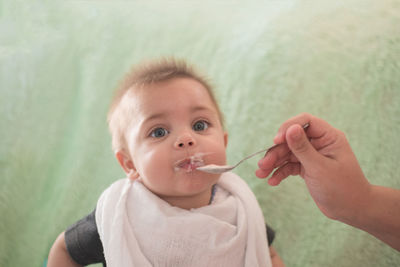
182,162
190,163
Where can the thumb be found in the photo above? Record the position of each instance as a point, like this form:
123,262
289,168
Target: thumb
300,146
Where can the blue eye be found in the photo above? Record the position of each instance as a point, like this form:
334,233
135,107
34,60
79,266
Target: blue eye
158,133
200,126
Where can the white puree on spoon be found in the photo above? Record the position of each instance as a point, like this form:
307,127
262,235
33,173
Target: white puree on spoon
193,161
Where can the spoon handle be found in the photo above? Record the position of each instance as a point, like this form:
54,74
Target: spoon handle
305,126
255,153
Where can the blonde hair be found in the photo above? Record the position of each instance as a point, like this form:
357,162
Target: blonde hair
147,73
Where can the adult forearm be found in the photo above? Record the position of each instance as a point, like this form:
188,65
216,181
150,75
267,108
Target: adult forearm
381,215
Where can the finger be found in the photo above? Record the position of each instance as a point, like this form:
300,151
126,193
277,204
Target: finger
293,158
261,173
301,119
317,127
321,145
283,172
327,139
302,148
274,157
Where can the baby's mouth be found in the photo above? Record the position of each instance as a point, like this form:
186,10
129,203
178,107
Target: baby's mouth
190,164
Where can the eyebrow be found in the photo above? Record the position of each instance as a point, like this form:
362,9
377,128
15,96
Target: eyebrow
163,114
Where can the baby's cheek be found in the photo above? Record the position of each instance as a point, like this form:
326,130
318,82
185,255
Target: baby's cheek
154,159
155,169
155,176
219,157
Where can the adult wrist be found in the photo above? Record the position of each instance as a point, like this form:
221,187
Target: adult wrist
360,209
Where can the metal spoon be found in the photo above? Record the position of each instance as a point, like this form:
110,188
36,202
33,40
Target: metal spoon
216,169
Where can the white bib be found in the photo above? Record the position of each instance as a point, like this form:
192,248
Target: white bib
137,228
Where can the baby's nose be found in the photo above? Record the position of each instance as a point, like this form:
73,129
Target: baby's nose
185,141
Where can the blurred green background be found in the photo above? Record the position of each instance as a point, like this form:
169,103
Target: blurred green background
269,60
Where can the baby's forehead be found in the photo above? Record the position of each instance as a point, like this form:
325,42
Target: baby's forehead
170,89
168,94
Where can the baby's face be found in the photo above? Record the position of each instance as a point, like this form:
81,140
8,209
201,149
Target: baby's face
173,121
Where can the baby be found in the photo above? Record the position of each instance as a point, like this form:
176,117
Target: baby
165,123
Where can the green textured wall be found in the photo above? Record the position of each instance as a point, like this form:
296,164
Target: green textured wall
269,60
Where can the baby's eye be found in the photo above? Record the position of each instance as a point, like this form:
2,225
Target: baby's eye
159,132
200,126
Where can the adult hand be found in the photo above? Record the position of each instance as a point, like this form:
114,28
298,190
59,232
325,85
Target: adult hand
322,156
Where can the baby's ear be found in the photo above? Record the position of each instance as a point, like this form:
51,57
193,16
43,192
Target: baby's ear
126,163
226,139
